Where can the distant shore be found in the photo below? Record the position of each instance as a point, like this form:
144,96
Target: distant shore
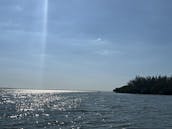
148,85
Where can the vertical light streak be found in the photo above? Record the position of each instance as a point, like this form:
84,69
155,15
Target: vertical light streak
43,39
44,32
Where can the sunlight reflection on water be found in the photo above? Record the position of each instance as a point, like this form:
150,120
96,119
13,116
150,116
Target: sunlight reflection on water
30,91
39,105
20,108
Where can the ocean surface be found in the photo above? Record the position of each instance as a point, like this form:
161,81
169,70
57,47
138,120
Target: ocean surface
54,109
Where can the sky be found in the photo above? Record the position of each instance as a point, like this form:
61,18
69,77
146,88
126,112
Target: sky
83,44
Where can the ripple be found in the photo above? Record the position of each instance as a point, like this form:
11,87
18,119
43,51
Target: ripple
83,110
44,114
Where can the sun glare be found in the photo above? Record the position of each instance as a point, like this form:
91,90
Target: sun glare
44,32
43,40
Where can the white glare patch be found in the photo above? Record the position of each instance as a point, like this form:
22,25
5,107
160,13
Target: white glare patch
30,91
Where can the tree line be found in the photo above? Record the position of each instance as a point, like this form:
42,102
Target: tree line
148,85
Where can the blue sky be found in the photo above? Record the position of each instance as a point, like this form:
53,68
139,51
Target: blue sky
83,44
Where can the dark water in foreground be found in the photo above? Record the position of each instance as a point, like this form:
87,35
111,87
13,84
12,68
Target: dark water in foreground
37,109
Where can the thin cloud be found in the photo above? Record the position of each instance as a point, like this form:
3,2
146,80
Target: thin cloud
9,24
106,52
18,8
98,39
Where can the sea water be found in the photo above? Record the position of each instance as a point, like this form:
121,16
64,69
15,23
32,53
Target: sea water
54,109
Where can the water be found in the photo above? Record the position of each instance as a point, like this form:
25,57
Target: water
37,109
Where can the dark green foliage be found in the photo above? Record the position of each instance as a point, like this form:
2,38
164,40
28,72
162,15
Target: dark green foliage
148,85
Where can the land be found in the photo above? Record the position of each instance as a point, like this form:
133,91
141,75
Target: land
148,85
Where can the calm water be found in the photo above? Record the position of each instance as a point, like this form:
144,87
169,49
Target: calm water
37,109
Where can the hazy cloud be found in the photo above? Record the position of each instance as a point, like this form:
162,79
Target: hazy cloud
106,52
18,8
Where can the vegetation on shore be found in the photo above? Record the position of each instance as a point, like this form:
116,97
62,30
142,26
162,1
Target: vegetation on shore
148,85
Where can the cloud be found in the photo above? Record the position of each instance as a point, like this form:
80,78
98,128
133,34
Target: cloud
9,24
18,8
98,39
106,52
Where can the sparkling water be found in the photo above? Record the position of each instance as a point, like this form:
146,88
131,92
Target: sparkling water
56,109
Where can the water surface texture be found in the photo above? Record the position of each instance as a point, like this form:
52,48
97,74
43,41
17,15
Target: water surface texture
54,109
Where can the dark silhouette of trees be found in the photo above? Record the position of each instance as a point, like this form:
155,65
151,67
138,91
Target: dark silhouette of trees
148,85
